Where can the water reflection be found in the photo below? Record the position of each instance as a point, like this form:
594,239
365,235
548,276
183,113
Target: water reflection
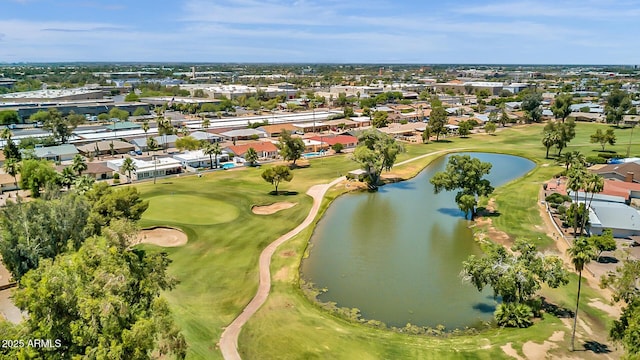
397,254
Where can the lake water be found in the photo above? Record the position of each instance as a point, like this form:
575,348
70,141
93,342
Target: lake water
397,254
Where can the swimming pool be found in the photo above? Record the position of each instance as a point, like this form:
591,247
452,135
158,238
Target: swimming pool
228,166
312,154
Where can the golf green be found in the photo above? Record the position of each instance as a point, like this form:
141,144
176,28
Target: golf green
188,209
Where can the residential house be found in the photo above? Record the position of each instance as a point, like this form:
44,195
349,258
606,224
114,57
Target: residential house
198,159
265,149
147,169
96,170
347,141
622,219
275,130
56,153
621,172
243,134
104,148
205,136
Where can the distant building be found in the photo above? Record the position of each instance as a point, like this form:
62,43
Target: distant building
265,149
198,159
58,94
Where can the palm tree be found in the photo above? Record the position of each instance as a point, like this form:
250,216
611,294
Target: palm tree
68,177
152,144
582,252
206,123
128,166
251,156
79,164
12,167
576,182
145,127
211,150
548,140
6,134
593,184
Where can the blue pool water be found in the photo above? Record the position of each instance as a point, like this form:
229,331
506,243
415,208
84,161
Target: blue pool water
312,154
228,166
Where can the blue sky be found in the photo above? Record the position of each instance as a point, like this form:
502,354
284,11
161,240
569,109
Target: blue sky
337,31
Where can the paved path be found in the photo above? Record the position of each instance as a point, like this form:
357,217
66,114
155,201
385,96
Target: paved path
229,338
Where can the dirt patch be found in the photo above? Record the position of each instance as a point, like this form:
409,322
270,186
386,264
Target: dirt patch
161,236
612,310
491,233
288,253
535,351
557,336
273,208
509,350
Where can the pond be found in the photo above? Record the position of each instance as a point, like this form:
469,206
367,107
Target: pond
397,254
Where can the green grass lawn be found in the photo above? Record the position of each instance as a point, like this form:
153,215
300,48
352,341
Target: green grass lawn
217,269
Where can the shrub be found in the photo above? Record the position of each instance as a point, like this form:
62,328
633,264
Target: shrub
607,155
596,159
116,176
514,315
557,198
562,209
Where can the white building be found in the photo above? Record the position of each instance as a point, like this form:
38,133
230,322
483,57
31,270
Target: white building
198,159
147,169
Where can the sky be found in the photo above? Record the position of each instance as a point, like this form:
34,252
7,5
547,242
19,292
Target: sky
327,31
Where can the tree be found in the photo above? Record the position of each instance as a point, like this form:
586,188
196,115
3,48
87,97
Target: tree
426,134
490,128
582,252
61,127
128,166
464,129
337,147
565,132
116,113
376,152
164,128
79,164
39,229
593,184
504,118
10,150
212,150
108,205
67,177
437,121
531,105
145,127
83,184
291,148
9,117
515,277
464,173
102,301
251,156
561,106
603,242
274,175
131,97
188,143
35,175
618,103
608,137
549,139
12,167
380,119
139,111
152,144
576,182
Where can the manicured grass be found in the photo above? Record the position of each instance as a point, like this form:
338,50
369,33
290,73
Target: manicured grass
217,269
189,209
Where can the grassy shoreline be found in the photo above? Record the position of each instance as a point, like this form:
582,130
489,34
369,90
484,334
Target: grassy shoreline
218,267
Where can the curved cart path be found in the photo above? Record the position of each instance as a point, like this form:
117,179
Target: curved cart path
229,338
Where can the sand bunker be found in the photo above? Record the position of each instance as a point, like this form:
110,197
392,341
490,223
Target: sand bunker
162,236
273,208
